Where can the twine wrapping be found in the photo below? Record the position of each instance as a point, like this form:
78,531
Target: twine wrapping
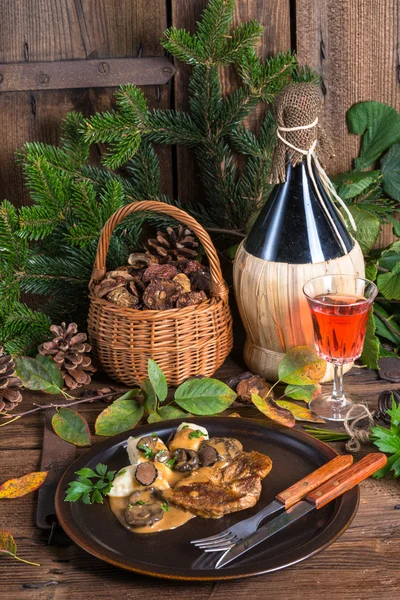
358,435
294,109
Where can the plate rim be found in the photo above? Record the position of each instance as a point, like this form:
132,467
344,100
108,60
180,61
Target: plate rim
94,548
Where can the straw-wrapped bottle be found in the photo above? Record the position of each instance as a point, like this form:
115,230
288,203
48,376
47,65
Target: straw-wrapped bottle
299,234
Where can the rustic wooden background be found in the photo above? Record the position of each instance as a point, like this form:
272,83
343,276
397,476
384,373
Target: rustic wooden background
353,43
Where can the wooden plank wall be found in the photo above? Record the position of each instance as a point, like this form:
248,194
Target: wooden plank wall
353,43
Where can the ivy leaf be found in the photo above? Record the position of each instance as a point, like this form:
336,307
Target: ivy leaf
157,380
380,126
303,392
370,353
389,284
39,373
71,427
273,411
301,366
390,165
368,227
204,396
21,486
8,547
352,184
382,328
149,396
123,414
300,413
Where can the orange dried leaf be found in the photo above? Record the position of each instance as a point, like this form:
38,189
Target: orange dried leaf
273,411
15,488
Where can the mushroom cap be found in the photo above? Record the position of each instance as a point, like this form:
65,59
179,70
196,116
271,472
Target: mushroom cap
186,460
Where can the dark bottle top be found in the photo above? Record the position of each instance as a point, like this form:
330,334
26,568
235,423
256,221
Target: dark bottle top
293,227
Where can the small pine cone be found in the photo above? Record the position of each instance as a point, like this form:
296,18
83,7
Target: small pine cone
10,386
70,352
173,245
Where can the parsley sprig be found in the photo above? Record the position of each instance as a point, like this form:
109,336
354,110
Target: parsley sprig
197,433
90,491
146,450
388,441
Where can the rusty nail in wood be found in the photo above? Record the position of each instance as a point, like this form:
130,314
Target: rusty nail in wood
44,79
103,68
167,70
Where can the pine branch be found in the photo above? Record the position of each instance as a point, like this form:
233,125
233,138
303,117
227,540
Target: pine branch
243,38
172,127
213,28
184,46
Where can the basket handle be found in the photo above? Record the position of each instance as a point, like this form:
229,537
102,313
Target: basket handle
218,286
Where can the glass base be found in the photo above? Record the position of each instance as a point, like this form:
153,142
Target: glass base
326,407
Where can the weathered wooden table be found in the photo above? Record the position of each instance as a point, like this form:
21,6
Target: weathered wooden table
363,564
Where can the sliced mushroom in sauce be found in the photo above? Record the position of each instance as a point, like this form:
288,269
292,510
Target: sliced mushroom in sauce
227,448
146,473
186,460
143,510
208,455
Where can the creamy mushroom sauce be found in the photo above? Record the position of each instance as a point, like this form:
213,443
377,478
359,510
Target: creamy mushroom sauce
174,517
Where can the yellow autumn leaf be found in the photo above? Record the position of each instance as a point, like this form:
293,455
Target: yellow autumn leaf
300,413
15,488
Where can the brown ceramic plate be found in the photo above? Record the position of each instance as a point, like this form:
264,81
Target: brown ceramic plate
169,554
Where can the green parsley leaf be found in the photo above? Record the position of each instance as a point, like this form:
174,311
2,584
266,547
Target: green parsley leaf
185,427
87,490
196,434
165,506
121,472
154,434
148,452
140,502
170,463
388,440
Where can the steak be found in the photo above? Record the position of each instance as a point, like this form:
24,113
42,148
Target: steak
213,492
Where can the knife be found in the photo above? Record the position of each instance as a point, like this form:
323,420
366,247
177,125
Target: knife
335,487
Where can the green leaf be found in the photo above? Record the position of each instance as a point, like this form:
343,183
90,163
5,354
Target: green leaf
121,415
300,413
157,380
8,547
204,396
394,413
393,463
301,366
39,373
71,427
387,440
370,353
302,392
149,396
368,227
154,417
273,411
371,270
390,165
171,412
352,184
87,473
380,126
389,284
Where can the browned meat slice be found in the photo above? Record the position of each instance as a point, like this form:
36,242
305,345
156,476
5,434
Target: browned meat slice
214,492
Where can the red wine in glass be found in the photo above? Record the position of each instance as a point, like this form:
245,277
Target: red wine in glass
340,322
340,307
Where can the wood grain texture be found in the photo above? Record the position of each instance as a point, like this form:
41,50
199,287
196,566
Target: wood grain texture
38,30
275,18
366,556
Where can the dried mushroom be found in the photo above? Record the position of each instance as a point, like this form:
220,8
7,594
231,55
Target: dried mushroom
200,280
159,272
252,385
183,281
191,266
190,299
138,260
104,287
161,294
122,272
121,297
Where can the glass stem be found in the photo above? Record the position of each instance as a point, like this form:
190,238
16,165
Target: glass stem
338,393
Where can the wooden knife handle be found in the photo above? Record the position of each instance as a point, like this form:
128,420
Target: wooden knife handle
299,490
347,479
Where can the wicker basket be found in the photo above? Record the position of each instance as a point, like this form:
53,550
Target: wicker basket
194,340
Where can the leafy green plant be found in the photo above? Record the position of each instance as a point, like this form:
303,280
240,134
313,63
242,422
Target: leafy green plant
373,197
90,486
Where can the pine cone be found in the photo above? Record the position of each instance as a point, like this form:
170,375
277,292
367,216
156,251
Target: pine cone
173,245
10,393
69,351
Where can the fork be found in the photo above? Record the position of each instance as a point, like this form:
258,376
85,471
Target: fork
232,535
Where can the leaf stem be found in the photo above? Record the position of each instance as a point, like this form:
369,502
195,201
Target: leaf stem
386,321
28,562
63,405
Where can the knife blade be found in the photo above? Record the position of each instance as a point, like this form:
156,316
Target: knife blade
333,488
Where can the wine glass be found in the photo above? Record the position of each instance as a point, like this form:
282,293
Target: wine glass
340,306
